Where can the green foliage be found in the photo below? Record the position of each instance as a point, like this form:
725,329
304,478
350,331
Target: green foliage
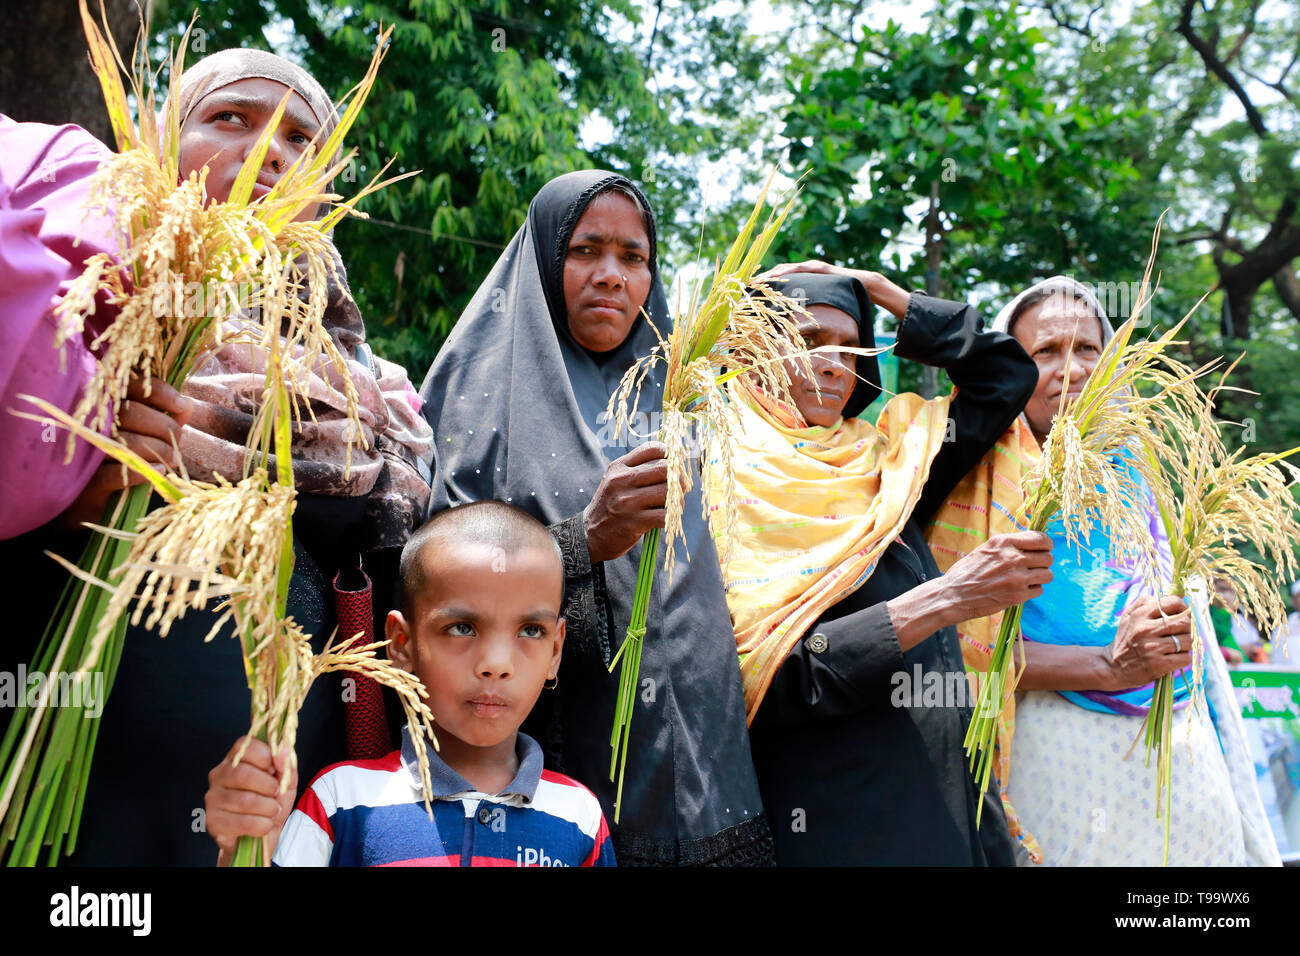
1025,181
1051,144
489,99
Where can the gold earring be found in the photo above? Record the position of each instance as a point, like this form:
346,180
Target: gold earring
553,685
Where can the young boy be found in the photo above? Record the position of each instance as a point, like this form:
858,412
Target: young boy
480,626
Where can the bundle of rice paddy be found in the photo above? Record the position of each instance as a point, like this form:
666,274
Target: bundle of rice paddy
1209,501
1100,458
729,330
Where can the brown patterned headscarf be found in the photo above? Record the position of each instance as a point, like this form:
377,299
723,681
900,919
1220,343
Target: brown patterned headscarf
392,471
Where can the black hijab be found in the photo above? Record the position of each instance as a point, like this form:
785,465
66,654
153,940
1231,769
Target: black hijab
850,296
517,409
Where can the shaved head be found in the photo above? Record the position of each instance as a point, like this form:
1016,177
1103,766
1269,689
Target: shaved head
492,524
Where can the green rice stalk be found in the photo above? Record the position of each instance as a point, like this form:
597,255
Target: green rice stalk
730,329
1208,501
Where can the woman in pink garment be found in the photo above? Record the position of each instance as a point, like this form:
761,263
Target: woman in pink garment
46,236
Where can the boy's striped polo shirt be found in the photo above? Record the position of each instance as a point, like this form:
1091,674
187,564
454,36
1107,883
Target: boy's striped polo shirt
371,813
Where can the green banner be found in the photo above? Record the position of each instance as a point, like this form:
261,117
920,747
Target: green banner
1264,691
888,365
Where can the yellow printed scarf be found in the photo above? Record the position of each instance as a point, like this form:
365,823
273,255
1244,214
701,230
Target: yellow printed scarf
982,505
817,507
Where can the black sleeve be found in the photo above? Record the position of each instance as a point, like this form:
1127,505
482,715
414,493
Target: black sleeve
586,606
994,379
837,668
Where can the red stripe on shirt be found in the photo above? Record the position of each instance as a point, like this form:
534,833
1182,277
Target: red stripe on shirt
601,836
426,861
389,764
552,777
310,804
453,860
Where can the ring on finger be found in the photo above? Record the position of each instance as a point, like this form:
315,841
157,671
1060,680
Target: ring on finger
1178,647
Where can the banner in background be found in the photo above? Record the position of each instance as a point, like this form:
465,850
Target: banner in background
1269,698
888,363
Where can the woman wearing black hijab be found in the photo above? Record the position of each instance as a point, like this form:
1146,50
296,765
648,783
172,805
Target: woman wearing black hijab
516,400
837,599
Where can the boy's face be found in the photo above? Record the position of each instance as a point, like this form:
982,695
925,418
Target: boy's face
225,125
486,635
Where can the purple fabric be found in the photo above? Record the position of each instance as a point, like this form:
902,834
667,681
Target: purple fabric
1119,706
44,184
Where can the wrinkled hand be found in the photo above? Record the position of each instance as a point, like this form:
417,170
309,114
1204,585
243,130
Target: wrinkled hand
1144,647
1006,570
630,501
880,289
148,425
816,265
245,800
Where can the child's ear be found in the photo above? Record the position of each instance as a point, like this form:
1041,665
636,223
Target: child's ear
559,644
399,645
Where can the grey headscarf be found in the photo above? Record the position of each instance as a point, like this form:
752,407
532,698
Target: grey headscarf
224,67
230,66
516,406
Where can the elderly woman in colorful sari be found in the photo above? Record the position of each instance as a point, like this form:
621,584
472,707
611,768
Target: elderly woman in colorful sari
1095,641
517,398
853,676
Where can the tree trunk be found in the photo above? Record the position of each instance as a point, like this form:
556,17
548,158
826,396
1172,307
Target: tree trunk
1287,285
1270,258
933,259
45,74
1238,298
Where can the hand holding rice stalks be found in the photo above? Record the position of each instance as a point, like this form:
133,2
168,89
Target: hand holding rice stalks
1208,500
231,541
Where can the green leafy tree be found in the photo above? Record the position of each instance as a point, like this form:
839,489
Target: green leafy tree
490,100
951,134
1218,143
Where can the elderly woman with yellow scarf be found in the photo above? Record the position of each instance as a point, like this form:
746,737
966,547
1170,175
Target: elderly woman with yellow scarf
853,676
